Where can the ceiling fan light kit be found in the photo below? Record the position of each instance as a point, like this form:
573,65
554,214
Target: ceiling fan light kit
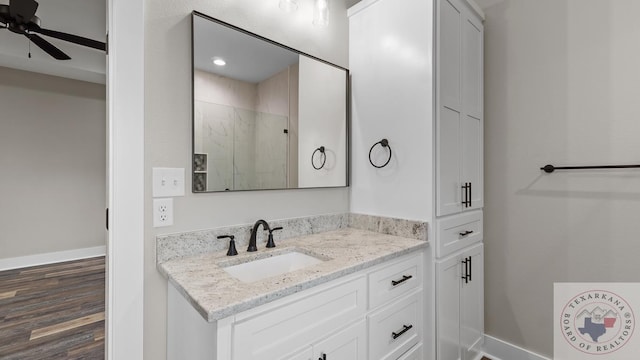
20,17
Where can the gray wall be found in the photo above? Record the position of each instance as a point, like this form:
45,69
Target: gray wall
168,127
52,164
561,88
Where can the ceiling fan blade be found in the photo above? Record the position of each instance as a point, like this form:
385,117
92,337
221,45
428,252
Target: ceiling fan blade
47,47
72,38
22,10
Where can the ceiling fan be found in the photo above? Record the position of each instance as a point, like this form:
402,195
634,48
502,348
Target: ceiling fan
20,17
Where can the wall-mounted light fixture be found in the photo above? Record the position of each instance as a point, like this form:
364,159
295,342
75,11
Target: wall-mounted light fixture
289,5
321,12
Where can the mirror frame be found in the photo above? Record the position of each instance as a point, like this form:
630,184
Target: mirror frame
195,13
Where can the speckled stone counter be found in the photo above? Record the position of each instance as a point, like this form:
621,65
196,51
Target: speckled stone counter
216,295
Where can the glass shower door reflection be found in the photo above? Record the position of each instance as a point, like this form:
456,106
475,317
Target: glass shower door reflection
244,149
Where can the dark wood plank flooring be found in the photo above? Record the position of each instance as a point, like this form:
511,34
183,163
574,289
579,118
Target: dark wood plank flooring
53,311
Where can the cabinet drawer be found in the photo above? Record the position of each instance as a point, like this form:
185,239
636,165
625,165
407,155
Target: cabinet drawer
414,354
282,329
395,328
457,232
395,280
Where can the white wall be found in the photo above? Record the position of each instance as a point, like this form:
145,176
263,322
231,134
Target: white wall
561,88
52,161
168,127
321,125
394,102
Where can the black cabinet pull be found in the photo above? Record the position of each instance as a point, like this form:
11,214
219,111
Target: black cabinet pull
467,195
467,270
465,276
405,328
465,233
324,357
398,282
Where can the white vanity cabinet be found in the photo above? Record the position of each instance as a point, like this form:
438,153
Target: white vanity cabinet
459,108
460,304
376,313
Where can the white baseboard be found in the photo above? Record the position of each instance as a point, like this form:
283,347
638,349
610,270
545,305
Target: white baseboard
50,258
500,350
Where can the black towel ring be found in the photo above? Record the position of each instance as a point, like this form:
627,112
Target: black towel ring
385,144
324,158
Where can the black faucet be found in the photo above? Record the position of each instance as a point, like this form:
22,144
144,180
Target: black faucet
252,239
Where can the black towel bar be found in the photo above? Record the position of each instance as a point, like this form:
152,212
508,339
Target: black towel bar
551,168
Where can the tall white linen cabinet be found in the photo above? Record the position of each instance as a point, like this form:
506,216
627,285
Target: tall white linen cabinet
417,80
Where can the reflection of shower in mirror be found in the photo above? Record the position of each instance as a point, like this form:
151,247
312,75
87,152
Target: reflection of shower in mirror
253,116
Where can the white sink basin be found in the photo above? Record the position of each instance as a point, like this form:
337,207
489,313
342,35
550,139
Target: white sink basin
276,265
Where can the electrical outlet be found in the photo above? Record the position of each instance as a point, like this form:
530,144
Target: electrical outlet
168,182
162,212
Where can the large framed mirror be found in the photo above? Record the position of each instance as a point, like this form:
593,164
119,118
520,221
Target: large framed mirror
265,116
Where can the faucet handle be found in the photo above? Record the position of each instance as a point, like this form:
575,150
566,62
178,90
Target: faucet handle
232,244
270,243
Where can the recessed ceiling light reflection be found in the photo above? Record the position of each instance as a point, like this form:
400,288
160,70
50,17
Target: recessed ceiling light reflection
219,61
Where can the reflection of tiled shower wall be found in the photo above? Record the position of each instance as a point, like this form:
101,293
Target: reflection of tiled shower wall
271,139
246,149
271,152
214,130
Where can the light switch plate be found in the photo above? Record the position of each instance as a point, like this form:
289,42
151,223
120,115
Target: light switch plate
168,182
162,212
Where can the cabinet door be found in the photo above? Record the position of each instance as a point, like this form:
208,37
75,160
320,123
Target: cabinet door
304,354
459,98
448,277
449,108
347,344
414,354
471,118
472,304
298,321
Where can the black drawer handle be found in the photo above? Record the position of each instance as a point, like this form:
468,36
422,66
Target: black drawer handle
405,328
398,282
465,233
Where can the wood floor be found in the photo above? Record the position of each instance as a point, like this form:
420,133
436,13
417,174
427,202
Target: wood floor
53,311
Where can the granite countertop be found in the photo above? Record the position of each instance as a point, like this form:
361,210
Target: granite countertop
216,295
